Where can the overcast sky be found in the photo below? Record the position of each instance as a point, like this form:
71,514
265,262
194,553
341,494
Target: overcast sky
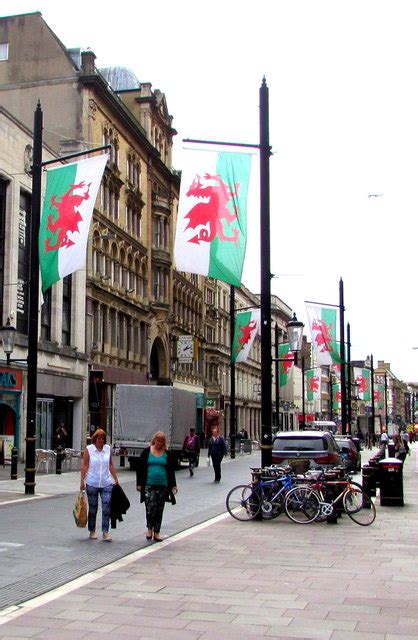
342,80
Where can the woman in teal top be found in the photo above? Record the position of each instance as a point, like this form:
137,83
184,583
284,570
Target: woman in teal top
155,479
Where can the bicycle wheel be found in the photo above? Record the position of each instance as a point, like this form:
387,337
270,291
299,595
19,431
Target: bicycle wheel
302,505
243,502
272,505
359,507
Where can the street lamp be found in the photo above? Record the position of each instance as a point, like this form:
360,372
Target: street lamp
294,338
355,388
7,336
295,334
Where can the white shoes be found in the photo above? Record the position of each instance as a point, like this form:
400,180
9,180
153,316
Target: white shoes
106,536
93,535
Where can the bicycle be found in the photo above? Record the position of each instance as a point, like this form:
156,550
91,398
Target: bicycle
245,502
305,504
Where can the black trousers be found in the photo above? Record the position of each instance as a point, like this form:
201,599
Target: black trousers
216,462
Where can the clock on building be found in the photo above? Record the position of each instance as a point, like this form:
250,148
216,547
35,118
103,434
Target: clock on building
185,349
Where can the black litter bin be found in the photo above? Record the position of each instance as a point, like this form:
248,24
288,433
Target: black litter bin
391,482
368,480
391,449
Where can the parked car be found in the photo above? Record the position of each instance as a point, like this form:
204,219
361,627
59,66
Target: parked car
350,452
306,449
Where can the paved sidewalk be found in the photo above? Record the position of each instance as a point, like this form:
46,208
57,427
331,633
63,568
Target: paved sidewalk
226,579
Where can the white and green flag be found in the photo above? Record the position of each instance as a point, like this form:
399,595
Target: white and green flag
323,325
246,328
211,234
362,377
286,362
70,195
313,383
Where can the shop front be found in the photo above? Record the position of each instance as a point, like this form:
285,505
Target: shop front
10,410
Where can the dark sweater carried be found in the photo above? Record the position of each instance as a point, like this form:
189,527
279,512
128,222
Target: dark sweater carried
119,505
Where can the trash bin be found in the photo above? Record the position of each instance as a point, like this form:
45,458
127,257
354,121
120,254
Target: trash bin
368,480
391,449
391,482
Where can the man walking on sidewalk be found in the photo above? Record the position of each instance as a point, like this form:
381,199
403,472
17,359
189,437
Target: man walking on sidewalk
217,450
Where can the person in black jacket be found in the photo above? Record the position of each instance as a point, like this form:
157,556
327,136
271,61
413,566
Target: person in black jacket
156,481
216,450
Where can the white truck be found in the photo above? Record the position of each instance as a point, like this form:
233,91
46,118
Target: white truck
141,410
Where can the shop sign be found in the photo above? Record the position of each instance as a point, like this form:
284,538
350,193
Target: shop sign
210,402
10,379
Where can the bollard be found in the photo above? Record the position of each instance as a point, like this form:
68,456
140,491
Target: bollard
59,460
122,453
13,468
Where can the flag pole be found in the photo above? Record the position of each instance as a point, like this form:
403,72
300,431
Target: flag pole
349,411
232,409
33,304
265,290
343,363
33,315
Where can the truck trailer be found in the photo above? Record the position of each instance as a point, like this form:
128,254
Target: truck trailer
141,410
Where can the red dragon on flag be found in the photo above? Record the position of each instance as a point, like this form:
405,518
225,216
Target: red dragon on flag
323,337
246,333
362,382
289,359
212,212
313,384
68,217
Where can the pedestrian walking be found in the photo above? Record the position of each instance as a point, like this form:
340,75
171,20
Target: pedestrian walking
405,439
384,439
61,436
156,482
400,450
98,474
191,449
216,451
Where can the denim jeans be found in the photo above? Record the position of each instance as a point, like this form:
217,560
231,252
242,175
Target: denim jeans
93,500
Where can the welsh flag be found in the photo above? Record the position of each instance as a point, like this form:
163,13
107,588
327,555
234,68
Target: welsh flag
336,396
362,377
285,366
211,234
246,328
313,383
379,396
70,195
323,324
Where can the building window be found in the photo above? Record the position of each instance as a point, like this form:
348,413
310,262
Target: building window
160,284
133,171
66,310
4,51
22,308
46,315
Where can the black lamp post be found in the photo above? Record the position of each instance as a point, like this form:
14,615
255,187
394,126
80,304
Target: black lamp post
8,334
294,338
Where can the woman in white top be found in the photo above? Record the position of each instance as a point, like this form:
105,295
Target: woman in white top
98,474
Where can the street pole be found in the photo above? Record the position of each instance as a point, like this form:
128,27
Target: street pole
343,363
349,412
303,392
232,421
276,374
386,402
265,289
372,390
33,304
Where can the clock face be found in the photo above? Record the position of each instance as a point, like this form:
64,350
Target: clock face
185,349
